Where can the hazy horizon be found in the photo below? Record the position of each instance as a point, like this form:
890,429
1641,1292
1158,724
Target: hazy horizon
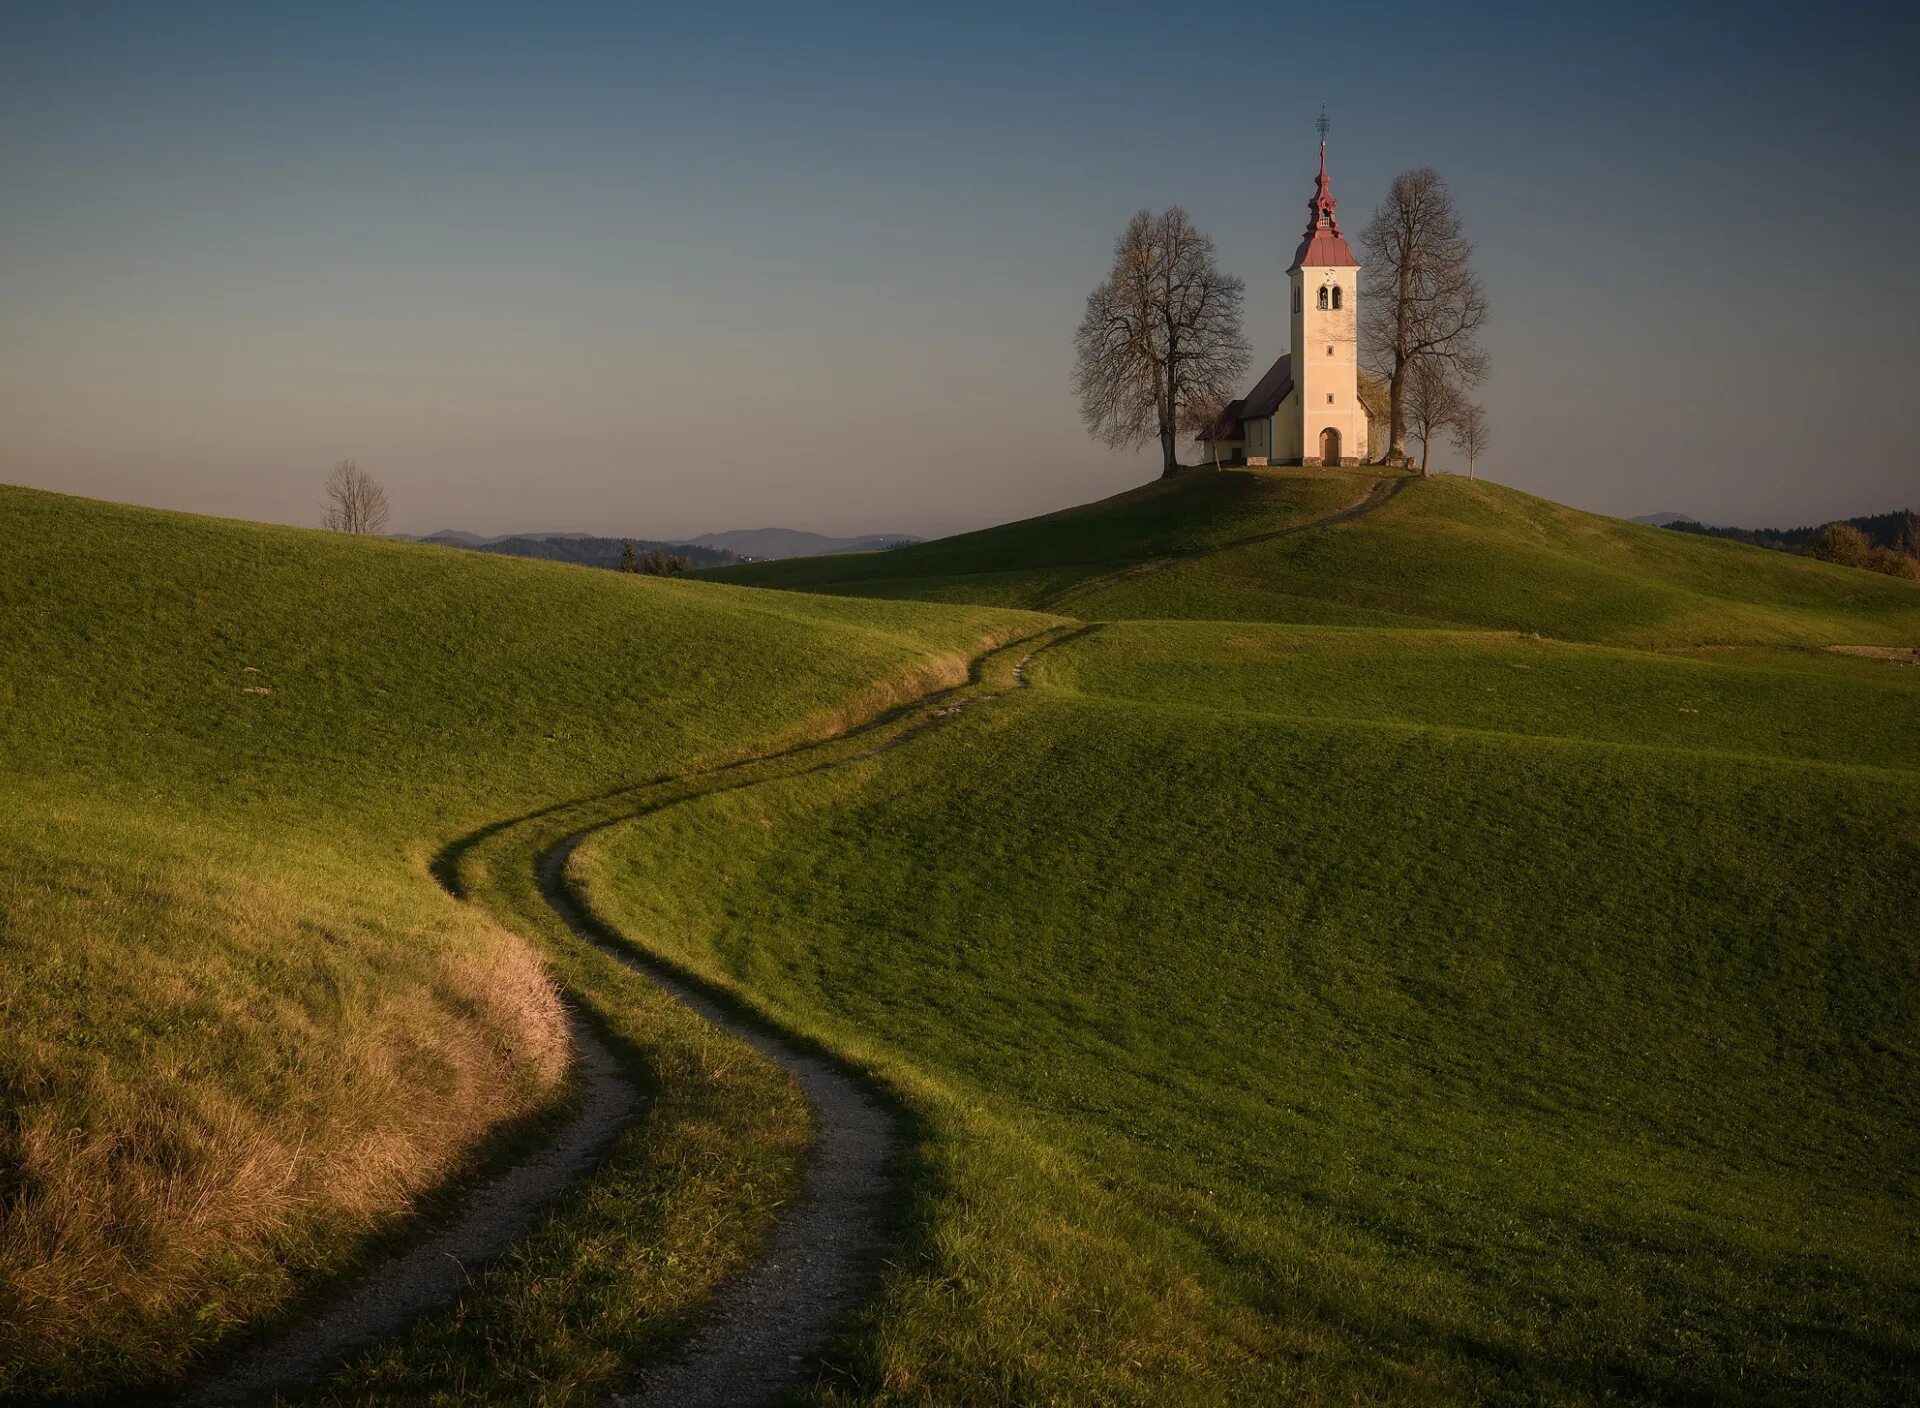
675,273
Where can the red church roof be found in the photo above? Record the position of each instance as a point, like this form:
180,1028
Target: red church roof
1323,246
1262,401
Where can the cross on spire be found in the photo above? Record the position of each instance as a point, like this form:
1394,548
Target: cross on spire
1320,209
1323,245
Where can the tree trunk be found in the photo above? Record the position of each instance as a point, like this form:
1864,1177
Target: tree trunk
1170,410
1397,413
1426,447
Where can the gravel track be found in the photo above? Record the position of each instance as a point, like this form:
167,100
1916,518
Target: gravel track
766,1328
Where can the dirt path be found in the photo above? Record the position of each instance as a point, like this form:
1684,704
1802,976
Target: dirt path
765,1328
823,1256
1378,493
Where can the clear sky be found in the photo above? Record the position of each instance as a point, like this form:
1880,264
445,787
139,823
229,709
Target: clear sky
664,270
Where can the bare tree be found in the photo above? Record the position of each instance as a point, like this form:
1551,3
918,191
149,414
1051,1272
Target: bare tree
1470,432
1424,302
1160,332
355,502
1431,403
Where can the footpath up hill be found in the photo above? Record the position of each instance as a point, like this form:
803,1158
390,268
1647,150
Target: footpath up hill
241,1027
1435,551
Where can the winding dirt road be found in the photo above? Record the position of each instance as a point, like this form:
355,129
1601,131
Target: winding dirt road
764,1329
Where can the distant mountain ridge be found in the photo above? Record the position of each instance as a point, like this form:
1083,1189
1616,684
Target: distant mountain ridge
771,543
581,548
707,550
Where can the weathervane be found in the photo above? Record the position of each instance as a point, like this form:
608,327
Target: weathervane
1322,124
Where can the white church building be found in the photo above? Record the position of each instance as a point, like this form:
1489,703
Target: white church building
1307,409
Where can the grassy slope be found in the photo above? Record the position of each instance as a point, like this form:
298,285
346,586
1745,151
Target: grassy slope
1388,1008
1290,1019
1445,550
240,1026
1026,563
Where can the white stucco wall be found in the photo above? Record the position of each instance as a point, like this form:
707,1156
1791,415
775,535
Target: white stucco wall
1326,387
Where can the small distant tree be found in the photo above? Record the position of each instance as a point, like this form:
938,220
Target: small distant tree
355,501
660,564
1847,545
1161,332
1432,403
1424,301
629,559
1842,543
1907,538
1470,432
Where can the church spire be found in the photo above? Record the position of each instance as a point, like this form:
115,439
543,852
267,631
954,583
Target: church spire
1320,208
1323,246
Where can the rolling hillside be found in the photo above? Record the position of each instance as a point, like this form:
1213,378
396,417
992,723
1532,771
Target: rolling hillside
1440,550
1331,1015
1361,996
1413,943
242,1028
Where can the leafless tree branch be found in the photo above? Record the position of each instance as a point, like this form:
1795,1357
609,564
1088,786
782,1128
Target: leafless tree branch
1161,333
355,502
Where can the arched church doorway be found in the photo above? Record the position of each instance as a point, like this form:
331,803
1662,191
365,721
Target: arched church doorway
1329,446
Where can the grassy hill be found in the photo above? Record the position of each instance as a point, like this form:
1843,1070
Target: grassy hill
1456,953
1029,562
1441,550
1322,984
241,1027
1330,1015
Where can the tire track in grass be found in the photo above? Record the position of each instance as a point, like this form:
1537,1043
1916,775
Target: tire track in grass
768,1326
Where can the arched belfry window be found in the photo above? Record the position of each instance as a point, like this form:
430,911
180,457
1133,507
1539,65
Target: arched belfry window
1323,297
1336,295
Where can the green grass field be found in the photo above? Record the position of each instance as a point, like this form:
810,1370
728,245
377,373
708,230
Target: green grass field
1347,1002
1444,551
1459,954
1273,1047
1027,563
242,1029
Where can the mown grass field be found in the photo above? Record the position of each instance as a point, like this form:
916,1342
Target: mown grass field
1332,1014
1027,563
242,1029
1443,551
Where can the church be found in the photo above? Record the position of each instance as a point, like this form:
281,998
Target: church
1306,410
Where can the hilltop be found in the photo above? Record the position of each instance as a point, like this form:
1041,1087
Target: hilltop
1221,547
1458,952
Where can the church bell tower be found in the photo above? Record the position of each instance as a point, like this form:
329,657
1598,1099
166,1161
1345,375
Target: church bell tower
1332,426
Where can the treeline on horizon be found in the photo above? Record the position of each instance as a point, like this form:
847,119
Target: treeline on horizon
605,552
1880,542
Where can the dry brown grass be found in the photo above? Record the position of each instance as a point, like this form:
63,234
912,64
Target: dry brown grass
216,1073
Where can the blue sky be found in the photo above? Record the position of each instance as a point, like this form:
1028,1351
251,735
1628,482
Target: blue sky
661,271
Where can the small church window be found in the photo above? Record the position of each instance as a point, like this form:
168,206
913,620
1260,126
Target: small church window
1323,298
1336,295
1296,300
1329,398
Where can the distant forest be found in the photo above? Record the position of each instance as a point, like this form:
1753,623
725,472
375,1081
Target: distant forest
602,552
1899,530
